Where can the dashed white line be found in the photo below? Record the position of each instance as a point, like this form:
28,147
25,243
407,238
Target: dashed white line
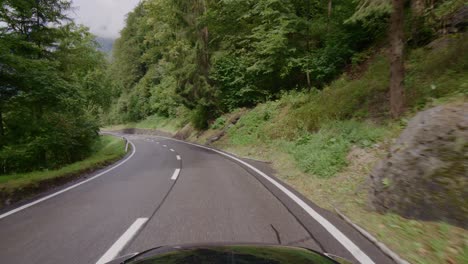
172,150
117,247
165,146
178,157
157,142
175,175
69,188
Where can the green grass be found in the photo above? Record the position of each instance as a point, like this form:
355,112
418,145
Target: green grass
106,150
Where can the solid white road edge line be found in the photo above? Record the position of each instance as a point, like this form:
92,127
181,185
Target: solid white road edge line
117,247
71,187
335,232
178,157
175,175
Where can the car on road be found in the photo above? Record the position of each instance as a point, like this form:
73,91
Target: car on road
229,254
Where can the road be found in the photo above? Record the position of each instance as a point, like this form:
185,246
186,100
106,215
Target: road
169,192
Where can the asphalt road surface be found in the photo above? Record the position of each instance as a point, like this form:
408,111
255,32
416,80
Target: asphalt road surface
168,192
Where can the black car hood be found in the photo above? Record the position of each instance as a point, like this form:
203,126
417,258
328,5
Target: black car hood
228,253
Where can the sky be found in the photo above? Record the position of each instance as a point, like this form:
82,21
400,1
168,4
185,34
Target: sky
105,18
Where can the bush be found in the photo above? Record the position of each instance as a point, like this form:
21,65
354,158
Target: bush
200,116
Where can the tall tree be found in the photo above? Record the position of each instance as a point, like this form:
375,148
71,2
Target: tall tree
46,85
397,69
396,35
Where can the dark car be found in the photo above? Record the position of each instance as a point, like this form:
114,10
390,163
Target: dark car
230,254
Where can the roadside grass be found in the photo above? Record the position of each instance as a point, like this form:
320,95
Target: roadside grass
106,150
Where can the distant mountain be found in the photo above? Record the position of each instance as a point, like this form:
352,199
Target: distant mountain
106,44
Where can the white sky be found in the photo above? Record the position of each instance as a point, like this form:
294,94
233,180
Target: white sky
105,18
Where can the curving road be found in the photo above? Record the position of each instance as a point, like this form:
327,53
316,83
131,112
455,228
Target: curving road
169,192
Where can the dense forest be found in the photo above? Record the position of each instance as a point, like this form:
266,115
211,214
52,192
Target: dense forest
203,58
52,86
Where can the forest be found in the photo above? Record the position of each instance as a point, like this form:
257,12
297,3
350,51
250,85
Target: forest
204,58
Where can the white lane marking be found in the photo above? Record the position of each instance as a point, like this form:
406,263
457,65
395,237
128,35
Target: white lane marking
178,157
117,247
157,142
71,187
165,146
175,175
172,150
335,232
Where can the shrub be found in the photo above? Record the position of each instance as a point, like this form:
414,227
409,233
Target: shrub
200,116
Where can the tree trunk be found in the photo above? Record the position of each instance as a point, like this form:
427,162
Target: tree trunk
397,70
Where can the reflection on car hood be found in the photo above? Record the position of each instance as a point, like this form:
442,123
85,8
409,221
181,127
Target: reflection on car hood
234,254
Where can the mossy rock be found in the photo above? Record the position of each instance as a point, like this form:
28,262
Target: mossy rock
425,175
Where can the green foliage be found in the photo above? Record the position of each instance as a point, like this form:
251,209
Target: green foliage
52,86
324,153
222,55
250,128
344,98
219,123
199,118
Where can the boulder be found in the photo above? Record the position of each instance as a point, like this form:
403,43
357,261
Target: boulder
425,175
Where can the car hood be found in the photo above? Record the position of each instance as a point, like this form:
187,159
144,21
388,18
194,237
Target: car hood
229,253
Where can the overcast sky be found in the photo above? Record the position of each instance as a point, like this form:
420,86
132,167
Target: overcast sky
105,18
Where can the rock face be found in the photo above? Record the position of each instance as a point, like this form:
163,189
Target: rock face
425,175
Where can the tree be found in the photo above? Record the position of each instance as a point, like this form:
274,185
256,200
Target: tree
47,86
397,69
397,44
